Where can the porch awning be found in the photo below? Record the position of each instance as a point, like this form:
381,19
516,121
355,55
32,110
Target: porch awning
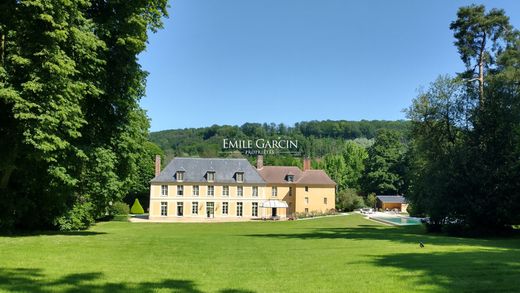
275,204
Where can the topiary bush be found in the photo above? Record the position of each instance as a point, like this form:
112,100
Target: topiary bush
137,208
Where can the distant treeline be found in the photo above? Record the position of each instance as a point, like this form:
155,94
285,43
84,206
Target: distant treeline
315,138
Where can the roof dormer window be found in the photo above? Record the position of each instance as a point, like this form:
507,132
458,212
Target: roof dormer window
179,175
239,176
290,178
210,176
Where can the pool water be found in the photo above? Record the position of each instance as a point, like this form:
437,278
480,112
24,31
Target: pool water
400,221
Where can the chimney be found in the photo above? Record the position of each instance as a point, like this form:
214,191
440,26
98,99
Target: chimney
260,162
306,164
157,165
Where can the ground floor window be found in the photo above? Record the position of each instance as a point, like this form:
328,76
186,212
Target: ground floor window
254,211
180,209
195,208
306,210
210,209
225,207
164,208
239,209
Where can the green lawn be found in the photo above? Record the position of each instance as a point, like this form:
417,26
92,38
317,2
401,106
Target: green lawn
335,254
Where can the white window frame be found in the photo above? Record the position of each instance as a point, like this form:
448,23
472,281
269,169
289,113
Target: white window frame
239,177
210,176
179,175
164,190
254,209
197,188
306,200
225,190
179,204
240,191
240,209
274,191
164,208
195,208
225,208
255,191
180,190
212,188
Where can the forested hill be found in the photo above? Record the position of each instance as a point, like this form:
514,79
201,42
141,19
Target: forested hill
315,138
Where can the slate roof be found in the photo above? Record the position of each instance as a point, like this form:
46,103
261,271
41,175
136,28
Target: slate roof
278,174
391,198
195,170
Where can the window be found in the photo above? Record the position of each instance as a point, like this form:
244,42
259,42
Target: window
210,176
306,200
306,188
306,210
164,190
180,176
255,191
194,208
211,190
180,190
290,178
239,177
225,190
274,191
325,200
180,209
164,208
195,190
225,207
239,209
254,211
240,190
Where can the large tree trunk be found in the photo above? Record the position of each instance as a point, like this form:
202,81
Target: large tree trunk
481,70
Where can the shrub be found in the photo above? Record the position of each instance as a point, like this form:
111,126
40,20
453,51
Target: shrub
137,208
349,200
78,218
119,208
370,200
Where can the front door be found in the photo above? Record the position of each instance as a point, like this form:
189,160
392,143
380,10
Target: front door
274,212
210,209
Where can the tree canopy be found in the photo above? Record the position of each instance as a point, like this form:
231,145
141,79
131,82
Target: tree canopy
72,133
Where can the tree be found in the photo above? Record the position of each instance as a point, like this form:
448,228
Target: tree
439,131
71,130
464,154
335,167
354,156
479,37
385,164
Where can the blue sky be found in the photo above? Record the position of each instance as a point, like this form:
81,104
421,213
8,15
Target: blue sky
236,61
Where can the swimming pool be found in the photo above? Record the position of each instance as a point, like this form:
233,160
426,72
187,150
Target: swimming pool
399,221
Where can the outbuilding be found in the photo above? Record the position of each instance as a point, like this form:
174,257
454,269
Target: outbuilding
390,202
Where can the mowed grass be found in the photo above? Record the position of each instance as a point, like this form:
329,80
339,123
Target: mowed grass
335,254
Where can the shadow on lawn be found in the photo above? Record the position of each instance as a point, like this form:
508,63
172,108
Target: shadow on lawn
474,271
406,234
51,233
34,280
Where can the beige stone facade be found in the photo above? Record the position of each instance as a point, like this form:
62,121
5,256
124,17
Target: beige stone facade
191,196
